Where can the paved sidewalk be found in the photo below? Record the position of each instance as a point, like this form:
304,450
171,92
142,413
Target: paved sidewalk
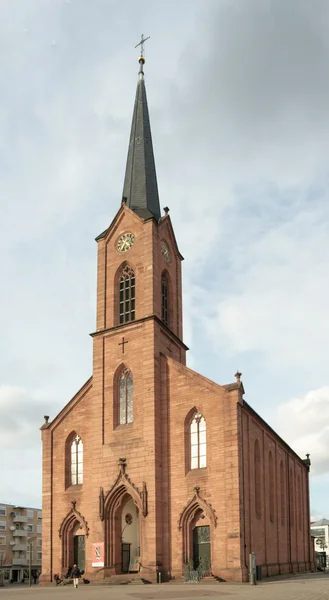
300,587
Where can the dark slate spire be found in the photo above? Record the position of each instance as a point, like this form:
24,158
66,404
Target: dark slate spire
140,187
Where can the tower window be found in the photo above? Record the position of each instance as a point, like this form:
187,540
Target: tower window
198,442
76,461
164,299
127,295
126,390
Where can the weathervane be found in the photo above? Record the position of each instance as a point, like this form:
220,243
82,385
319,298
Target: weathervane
141,44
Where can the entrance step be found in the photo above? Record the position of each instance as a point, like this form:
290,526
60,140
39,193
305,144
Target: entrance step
123,579
211,579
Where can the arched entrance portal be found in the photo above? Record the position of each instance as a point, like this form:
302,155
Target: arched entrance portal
121,510
197,523
123,534
73,532
130,544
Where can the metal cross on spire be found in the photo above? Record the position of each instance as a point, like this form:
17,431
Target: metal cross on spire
141,44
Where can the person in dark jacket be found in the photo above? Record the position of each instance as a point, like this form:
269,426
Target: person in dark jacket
75,574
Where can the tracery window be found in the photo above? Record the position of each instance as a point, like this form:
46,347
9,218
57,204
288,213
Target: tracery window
76,461
127,295
198,442
126,391
164,299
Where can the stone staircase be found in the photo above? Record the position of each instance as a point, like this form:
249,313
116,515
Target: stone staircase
211,579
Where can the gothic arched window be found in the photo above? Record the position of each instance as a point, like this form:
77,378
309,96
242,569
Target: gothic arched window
198,442
164,299
258,480
126,391
76,461
127,295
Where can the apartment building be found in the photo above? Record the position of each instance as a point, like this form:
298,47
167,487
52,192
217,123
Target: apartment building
20,534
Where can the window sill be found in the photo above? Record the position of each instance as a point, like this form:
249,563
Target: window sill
199,471
75,488
124,427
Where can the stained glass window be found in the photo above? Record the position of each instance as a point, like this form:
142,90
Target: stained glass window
164,299
198,442
76,461
126,398
127,295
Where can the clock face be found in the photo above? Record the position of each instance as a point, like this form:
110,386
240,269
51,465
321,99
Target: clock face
165,252
125,242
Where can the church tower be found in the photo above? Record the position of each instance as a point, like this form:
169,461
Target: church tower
139,321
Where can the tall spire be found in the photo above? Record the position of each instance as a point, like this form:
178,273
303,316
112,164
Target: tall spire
140,187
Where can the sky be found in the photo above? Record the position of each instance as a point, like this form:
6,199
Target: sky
238,96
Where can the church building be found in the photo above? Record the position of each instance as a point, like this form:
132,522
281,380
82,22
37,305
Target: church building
151,468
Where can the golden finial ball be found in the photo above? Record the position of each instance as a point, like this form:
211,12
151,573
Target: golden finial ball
141,59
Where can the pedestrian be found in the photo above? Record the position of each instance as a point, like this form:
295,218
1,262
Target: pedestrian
75,574
57,579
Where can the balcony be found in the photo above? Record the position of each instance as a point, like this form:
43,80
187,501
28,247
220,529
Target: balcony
19,519
21,562
20,533
19,547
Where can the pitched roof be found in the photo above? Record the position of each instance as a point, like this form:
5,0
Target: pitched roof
140,185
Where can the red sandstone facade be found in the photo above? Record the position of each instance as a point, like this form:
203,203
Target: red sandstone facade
253,493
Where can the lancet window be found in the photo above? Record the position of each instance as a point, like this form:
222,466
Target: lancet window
127,297
126,391
164,299
76,461
198,436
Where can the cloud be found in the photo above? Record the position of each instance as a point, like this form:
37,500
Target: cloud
279,292
21,415
239,104
303,422
259,81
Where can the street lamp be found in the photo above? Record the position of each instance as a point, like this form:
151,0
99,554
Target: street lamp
29,542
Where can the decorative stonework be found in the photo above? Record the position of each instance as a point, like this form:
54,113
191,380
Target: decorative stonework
186,519
197,502
110,504
101,504
123,481
73,515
